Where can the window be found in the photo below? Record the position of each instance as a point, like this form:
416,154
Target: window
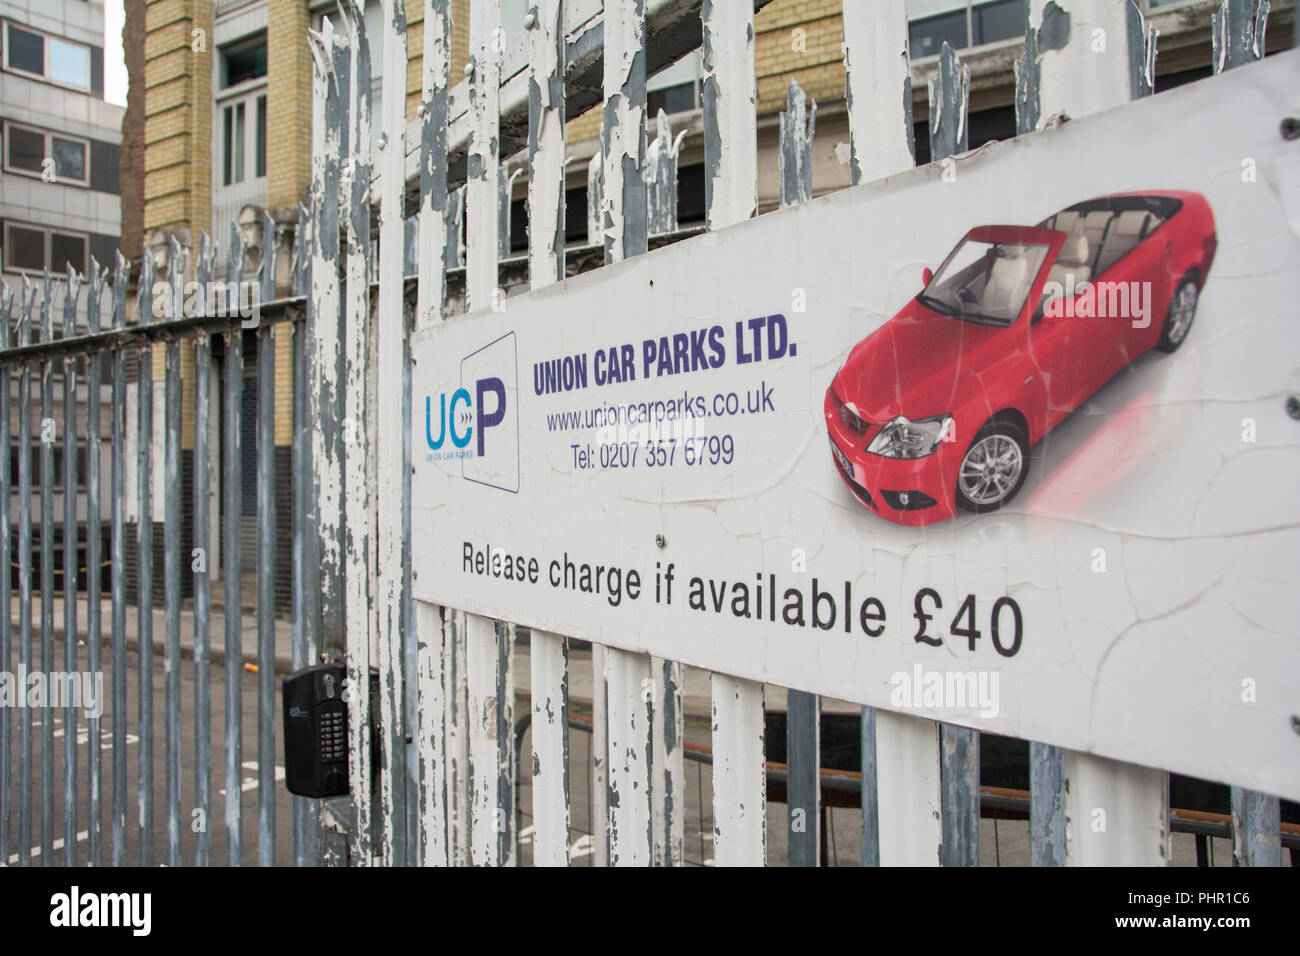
33,248
241,112
27,149
675,88
47,57
963,23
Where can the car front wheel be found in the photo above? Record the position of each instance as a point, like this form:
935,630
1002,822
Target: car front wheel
1182,310
993,468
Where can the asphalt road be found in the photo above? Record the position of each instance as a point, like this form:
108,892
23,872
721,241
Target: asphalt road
189,820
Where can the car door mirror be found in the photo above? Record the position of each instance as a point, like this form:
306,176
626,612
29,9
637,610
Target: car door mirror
926,275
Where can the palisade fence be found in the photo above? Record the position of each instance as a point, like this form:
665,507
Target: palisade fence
344,314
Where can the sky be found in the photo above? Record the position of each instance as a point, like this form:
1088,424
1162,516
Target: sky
114,63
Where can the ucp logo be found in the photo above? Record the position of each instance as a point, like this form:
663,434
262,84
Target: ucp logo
458,428
462,413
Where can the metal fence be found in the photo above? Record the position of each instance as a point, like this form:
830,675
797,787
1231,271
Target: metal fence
362,277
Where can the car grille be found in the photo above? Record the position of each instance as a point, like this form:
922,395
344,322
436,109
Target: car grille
851,419
846,469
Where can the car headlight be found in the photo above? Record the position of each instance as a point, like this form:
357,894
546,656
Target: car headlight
904,438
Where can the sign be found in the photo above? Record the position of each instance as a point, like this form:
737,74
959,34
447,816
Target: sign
1001,442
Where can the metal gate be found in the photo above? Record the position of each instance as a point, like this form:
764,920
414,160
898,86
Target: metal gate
77,787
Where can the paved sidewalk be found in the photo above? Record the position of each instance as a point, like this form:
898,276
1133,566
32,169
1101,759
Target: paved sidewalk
216,631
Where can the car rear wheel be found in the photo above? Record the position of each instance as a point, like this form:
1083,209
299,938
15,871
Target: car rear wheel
993,468
1182,310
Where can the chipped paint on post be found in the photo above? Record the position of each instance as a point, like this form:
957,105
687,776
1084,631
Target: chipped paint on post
666,764
505,190
1046,805
431,645
1237,33
1029,78
490,718
877,80
548,653
546,143
622,133
595,193
739,773
949,102
1256,829
433,247
730,176
959,775
484,71
1091,56
630,694
391,399
662,176
798,124
727,90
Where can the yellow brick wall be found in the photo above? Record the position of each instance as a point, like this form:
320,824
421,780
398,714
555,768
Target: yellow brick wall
799,40
178,115
289,103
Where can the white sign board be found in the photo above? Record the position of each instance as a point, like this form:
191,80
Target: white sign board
1049,492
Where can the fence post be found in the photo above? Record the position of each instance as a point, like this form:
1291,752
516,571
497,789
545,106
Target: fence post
144,564
6,596
47,566
489,645
878,79
432,648
358,511
949,100
172,559
121,275
202,575
1082,56
731,196
1116,814
1237,33
25,576
1256,829
629,698
392,400
803,710
70,638
548,653
232,566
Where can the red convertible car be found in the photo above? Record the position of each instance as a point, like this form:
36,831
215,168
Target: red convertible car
937,409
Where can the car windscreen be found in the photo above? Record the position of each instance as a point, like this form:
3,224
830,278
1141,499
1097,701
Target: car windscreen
983,281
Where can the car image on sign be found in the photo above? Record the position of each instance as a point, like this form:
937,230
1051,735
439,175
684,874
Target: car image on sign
936,410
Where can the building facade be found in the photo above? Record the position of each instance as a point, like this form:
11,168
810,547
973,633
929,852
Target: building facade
59,183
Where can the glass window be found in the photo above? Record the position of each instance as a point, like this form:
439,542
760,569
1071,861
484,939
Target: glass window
25,51
245,62
926,37
67,250
260,146
25,248
998,20
69,63
983,281
26,148
672,99
69,158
